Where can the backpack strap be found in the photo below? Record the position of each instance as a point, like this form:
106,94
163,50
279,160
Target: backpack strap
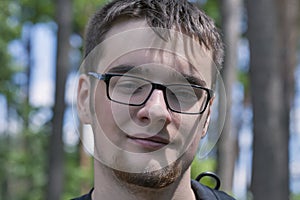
203,192
210,174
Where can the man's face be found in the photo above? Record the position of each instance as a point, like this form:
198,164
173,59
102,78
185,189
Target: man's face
148,139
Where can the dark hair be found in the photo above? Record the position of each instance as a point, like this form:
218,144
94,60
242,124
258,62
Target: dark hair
158,13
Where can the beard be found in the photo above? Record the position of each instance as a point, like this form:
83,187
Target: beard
152,179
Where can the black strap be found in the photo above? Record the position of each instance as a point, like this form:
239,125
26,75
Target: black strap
203,192
212,175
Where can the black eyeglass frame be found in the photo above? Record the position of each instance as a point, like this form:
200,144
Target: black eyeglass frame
107,76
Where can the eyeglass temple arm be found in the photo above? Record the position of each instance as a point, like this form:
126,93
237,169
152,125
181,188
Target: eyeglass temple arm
97,75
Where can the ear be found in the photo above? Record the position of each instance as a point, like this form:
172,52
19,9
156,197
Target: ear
83,99
207,120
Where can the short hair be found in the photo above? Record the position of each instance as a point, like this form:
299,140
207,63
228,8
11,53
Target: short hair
158,14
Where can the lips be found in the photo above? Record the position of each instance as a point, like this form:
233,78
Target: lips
151,143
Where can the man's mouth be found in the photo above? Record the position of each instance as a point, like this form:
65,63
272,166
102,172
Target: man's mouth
152,143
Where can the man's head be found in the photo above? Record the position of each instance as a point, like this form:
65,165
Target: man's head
166,14
148,95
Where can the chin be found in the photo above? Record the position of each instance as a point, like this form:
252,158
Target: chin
154,179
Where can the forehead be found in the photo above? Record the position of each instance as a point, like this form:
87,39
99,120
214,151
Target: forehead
132,42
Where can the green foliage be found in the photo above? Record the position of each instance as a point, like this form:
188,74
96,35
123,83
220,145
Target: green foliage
82,12
36,10
23,149
243,78
24,160
76,177
200,166
9,30
295,197
212,8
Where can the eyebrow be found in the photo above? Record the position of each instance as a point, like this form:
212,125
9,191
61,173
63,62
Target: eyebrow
121,69
194,80
126,68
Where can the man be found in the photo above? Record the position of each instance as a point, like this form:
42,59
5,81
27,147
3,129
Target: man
146,89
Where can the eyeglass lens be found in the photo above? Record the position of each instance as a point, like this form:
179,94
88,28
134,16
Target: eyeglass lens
136,91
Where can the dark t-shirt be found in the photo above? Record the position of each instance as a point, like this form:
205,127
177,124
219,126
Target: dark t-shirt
202,192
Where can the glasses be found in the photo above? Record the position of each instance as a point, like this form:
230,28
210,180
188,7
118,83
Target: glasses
135,91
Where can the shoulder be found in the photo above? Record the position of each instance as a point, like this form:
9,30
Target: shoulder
203,192
85,197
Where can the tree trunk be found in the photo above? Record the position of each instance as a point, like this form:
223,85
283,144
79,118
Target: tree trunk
56,151
227,147
267,34
290,38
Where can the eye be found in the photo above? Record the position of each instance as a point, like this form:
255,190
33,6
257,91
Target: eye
184,94
131,86
126,86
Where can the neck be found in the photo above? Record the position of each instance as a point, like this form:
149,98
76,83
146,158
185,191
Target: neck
108,186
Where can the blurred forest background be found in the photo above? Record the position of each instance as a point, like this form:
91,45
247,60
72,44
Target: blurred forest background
41,156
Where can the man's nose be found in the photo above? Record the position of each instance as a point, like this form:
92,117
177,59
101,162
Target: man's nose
155,109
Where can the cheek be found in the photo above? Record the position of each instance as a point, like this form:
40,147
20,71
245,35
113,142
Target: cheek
111,119
101,105
189,133
103,117
192,142
190,153
194,146
191,126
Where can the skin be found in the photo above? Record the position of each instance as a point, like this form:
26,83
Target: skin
128,127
